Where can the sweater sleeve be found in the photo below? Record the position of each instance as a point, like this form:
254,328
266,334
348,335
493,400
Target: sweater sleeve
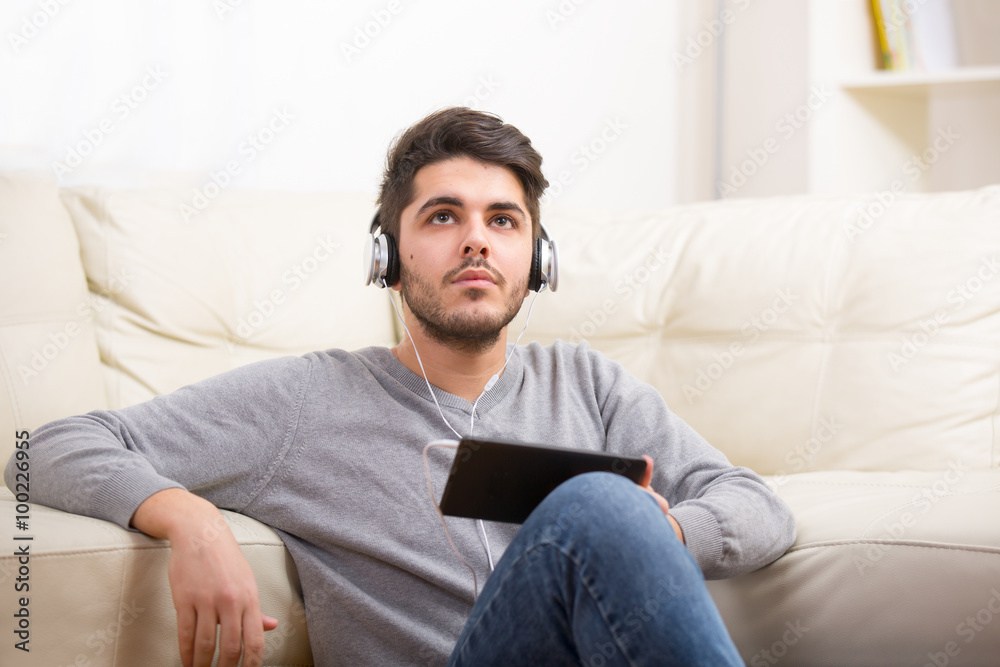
732,521
221,438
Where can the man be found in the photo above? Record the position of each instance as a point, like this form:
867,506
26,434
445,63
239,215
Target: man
327,450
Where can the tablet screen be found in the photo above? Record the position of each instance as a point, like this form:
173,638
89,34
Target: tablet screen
505,481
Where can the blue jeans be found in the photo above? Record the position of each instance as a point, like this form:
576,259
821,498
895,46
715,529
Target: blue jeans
595,577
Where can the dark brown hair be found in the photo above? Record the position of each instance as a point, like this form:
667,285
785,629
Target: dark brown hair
458,132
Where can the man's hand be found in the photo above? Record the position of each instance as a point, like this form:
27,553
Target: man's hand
647,479
210,580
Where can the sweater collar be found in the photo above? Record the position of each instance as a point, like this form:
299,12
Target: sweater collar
415,383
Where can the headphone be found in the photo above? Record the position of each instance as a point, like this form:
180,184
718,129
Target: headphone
381,260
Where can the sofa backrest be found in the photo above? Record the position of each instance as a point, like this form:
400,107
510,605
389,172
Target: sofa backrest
195,291
800,333
180,288
49,365
795,333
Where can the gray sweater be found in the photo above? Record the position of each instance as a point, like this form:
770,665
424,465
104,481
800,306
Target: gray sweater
326,449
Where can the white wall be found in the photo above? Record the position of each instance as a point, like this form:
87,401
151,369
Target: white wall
564,71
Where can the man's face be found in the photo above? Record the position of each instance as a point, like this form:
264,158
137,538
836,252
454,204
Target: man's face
465,251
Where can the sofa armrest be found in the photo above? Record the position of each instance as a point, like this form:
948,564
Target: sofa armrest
91,593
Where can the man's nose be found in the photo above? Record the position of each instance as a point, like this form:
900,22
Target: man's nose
475,241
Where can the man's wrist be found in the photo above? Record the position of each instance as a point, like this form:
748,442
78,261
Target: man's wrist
172,513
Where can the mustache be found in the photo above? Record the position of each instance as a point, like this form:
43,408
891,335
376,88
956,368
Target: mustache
475,263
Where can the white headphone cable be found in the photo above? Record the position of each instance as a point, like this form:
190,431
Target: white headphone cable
472,420
422,371
496,376
451,444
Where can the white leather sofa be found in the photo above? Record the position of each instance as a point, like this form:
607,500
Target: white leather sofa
846,347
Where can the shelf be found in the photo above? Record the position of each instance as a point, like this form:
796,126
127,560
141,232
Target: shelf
917,82
842,126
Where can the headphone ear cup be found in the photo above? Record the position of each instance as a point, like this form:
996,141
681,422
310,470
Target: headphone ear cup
392,265
535,276
381,261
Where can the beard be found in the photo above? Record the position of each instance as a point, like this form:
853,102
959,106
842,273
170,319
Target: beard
462,331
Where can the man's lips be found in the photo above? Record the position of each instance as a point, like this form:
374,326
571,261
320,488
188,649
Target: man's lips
474,278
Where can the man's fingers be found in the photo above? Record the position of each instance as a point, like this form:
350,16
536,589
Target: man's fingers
253,638
240,637
661,501
647,477
231,638
185,634
647,480
204,639
212,584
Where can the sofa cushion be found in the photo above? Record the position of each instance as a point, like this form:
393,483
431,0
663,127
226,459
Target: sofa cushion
800,333
49,366
887,569
199,287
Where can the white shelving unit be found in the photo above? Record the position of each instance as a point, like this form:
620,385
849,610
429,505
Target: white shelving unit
872,130
970,79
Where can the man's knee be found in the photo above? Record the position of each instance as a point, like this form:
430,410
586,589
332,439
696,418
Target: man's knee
598,490
585,500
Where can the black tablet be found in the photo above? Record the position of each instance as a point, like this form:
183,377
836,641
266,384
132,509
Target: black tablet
505,481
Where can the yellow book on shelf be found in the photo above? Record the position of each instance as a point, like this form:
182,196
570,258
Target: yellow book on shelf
885,52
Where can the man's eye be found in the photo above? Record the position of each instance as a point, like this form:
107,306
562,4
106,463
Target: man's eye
503,221
441,218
